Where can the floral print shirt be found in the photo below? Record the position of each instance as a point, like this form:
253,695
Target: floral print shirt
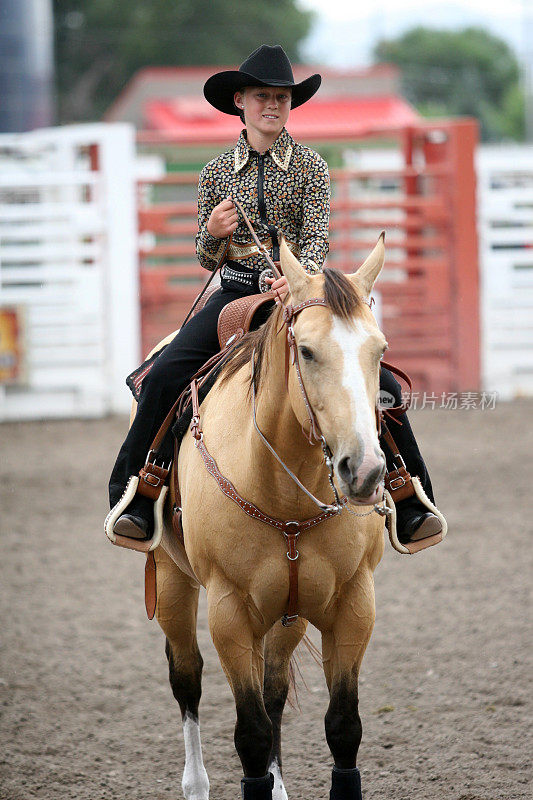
286,189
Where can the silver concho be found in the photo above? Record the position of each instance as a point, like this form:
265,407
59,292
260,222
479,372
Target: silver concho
263,285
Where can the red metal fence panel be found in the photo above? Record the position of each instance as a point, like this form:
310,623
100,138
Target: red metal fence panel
429,287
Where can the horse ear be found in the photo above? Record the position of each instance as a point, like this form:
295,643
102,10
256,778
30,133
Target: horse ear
292,269
368,272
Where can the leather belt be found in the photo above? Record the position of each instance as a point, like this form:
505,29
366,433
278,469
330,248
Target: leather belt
247,278
256,280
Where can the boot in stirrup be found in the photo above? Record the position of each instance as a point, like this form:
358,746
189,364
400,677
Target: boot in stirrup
414,522
136,521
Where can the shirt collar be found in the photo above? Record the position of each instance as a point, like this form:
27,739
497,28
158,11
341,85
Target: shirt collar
280,151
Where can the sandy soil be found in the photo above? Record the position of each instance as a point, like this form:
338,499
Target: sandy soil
87,712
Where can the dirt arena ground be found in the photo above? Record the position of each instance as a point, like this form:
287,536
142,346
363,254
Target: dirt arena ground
86,708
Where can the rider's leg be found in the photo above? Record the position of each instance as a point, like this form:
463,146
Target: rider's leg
411,513
172,369
169,375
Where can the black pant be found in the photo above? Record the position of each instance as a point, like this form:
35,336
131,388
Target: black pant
402,434
168,377
186,353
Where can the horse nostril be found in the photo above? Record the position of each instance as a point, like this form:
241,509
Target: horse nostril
344,469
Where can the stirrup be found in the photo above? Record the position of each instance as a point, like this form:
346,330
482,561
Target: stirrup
143,546
421,544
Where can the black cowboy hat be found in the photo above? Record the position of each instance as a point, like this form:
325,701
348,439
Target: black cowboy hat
266,66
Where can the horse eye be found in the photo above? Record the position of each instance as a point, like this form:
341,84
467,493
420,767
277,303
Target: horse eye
306,353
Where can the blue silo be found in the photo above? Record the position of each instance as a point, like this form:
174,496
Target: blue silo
26,65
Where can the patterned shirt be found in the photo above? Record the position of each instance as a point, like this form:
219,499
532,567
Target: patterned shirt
286,188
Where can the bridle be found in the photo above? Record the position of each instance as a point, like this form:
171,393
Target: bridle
314,435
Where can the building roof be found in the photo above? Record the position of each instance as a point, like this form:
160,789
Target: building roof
192,119
168,103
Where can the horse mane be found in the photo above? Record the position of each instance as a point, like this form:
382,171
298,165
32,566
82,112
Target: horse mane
342,300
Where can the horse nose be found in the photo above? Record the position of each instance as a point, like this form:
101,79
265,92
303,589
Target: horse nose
362,477
345,470
372,479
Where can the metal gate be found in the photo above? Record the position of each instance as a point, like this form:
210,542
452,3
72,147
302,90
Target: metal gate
505,181
68,270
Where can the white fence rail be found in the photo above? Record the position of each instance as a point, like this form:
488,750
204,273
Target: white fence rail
68,258
505,220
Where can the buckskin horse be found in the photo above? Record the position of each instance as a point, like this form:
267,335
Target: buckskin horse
252,535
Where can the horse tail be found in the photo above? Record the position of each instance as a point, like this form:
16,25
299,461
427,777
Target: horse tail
315,651
295,671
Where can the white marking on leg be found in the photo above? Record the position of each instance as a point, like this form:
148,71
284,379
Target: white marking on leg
278,792
195,783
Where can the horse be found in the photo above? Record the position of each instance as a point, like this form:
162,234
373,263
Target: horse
242,562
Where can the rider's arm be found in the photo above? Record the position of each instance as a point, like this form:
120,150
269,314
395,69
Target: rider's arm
208,248
313,242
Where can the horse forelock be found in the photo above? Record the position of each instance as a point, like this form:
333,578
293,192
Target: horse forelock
340,294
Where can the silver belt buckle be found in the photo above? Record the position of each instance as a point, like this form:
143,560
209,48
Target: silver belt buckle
263,285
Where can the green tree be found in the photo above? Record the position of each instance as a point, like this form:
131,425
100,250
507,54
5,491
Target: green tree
467,72
101,43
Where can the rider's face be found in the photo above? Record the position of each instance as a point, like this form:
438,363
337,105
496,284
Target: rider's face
266,108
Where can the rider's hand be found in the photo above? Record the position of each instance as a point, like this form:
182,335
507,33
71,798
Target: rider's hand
223,219
280,286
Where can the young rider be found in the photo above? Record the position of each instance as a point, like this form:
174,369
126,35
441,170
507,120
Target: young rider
284,189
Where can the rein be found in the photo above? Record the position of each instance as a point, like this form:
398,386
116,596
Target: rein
290,529
206,285
262,249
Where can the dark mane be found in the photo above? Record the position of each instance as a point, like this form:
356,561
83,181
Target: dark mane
340,296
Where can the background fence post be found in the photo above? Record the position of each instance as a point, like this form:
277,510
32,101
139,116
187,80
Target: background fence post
116,163
463,141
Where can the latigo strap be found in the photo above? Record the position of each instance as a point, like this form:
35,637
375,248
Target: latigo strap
398,481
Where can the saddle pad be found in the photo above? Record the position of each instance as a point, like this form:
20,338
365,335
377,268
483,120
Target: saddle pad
135,379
